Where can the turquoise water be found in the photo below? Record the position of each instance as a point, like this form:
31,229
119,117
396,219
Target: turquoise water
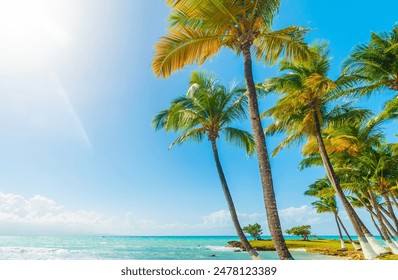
132,248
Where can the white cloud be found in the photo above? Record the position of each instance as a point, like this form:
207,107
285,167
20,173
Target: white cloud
295,216
41,215
220,218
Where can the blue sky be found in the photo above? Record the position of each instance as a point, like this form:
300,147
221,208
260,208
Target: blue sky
77,95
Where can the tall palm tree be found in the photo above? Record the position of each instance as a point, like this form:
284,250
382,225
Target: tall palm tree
374,66
207,110
302,113
199,29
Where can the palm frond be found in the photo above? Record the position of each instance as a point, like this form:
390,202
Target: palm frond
240,138
184,46
287,41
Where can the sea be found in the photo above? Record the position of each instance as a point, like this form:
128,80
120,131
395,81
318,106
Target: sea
132,248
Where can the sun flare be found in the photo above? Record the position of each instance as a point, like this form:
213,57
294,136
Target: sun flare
30,39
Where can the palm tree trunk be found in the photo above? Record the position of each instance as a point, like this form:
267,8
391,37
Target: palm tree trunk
343,247
389,225
372,215
390,209
366,247
263,160
383,228
356,247
253,253
393,199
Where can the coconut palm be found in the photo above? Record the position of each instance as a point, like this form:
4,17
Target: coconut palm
374,167
375,67
199,29
303,112
207,111
327,204
355,140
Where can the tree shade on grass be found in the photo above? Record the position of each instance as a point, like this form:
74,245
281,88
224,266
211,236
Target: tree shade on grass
199,29
207,111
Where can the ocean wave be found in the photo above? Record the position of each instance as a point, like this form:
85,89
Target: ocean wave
220,248
28,253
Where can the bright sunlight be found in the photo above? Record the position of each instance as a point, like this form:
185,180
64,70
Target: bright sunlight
30,39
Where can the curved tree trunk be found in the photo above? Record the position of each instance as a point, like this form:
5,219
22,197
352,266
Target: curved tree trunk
253,253
356,247
388,224
384,231
366,247
372,240
263,160
343,247
390,209
374,222
393,199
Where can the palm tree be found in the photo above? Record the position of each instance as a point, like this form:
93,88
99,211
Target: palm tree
374,167
302,113
199,29
366,166
327,204
208,109
375,67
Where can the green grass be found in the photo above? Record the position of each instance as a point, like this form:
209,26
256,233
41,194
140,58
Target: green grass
319,246
388,257
295,244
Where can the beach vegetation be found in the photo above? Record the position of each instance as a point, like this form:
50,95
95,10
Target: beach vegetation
374,66
199,29
254,230
207,112
303,231
304,111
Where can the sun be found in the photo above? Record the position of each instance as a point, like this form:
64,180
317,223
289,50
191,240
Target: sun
30,40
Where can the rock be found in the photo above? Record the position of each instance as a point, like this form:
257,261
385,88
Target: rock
235,244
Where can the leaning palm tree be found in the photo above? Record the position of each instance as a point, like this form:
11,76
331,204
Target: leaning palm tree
326,203
375,67
199,29
352,140
303,113
207,110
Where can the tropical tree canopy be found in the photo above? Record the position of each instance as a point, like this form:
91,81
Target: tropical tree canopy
206,111
374,66
303,231
198,30
254,230
306,97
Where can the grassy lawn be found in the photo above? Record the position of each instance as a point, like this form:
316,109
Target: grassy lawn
318,246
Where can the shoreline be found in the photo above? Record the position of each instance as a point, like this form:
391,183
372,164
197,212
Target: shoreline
314,246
